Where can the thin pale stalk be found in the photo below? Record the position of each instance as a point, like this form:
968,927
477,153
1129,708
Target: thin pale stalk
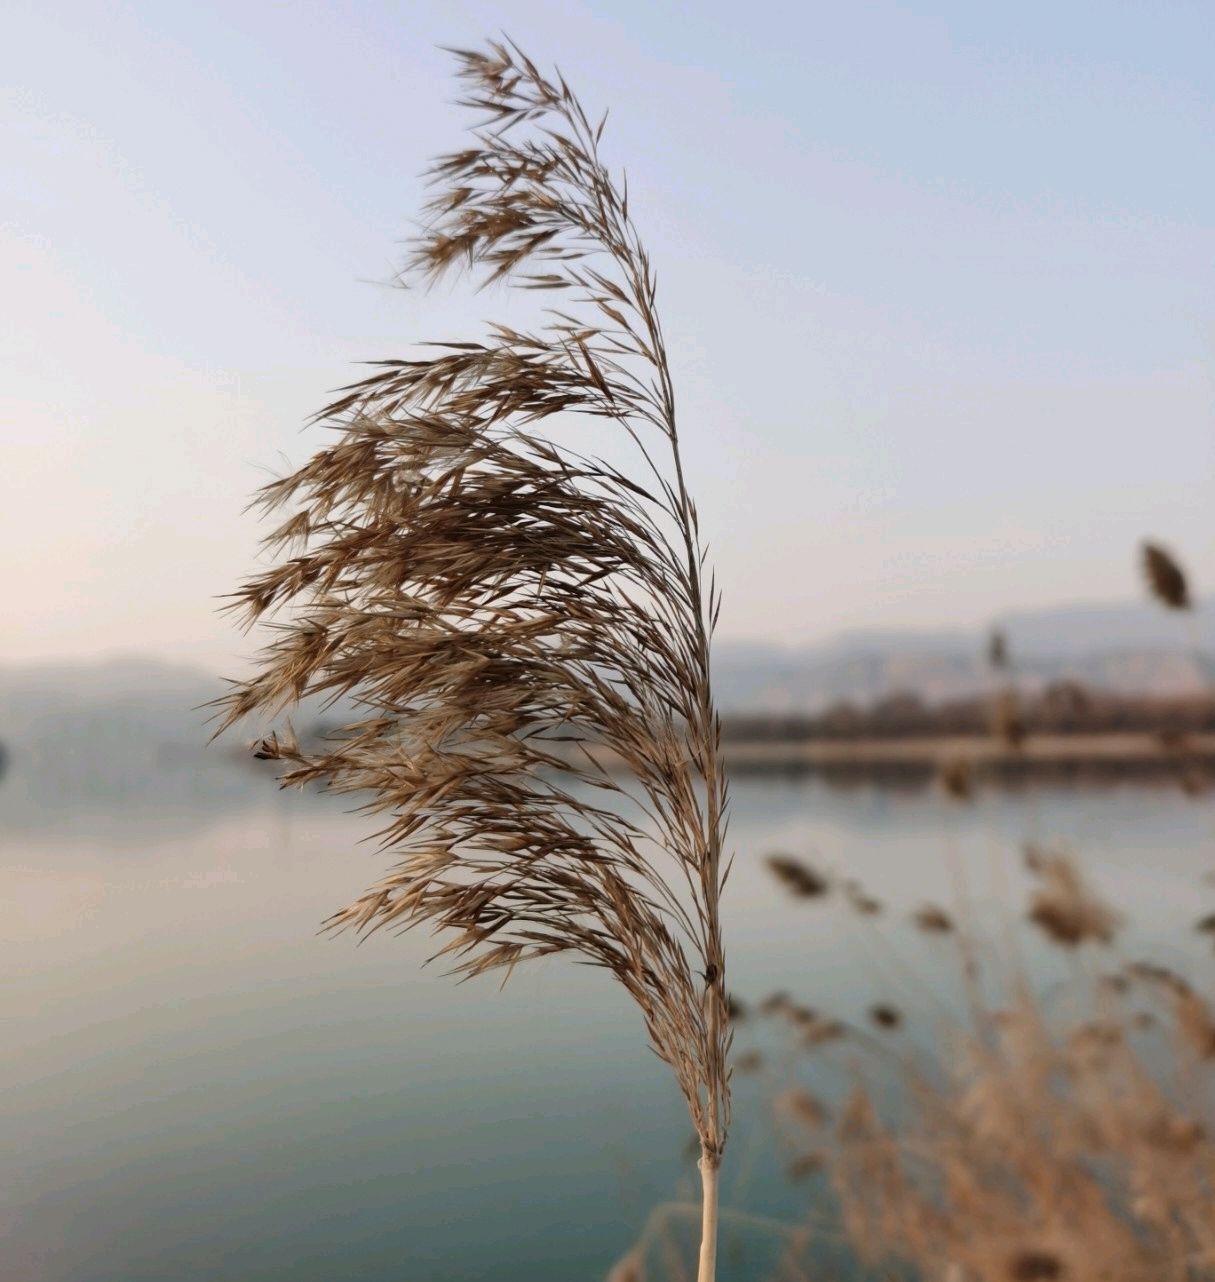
707,1272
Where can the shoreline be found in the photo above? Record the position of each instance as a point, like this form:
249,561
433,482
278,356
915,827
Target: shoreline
920,760
1130,755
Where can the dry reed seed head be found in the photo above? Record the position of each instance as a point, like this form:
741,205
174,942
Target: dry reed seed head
799,1105
1091,1046
775,1003
823,1031
629,1268
1194,781
804,1166
884,1015
997,649
933,920
814,1029
858,1119
1007,721
796,1015
1206,924
1162,976
1165,578
500,608
1032,1265
804,1018
1064,907
1110,1179
736,1009
798,878
1195,1024
860,901
1174,1133
957,778
749,1062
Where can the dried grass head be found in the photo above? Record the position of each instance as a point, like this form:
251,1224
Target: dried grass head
498,606
933,920
799,1105
1047,1151
860,900
956,777
1007,720
1165,578
884,1015
749,1062
1063,906
1034,1265
805,1165
798,878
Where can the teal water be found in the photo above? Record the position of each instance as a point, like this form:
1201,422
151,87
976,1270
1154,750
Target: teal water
197,1087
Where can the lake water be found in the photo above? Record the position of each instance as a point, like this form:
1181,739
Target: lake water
198,1087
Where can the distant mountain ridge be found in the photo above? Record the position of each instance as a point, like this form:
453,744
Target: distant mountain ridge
1130,648
126,712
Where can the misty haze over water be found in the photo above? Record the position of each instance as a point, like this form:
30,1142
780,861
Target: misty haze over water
197,1086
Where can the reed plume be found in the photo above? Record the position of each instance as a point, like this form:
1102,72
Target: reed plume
1165,578
1064,907
509,615
799,879
1062,1135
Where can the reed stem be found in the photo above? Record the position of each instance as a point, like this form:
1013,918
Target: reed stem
707,1271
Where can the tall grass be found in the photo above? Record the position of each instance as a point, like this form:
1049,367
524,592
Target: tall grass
1059,1135
502,609
1065,1137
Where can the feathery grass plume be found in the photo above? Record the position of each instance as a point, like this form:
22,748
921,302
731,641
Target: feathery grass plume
801,1106
933,920
1063,906
799,879
1194,781
884,1015
775,1003
1166,579
629,1268
805,1165
500,607
957,778
1039,1147
1007,720
1034,1266
1196,1023
860,900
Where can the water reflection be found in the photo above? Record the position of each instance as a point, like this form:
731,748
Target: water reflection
197,1086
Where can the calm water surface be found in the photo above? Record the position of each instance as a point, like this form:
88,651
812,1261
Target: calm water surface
196,1086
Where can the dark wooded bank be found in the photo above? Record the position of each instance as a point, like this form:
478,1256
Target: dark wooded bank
1063,709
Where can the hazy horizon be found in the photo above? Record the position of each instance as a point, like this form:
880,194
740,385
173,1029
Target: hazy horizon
937,280
1067,628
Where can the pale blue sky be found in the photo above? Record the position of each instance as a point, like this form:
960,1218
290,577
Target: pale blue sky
939,280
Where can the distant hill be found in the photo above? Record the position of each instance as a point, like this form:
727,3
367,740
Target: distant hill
134,726
95,746
1128,648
